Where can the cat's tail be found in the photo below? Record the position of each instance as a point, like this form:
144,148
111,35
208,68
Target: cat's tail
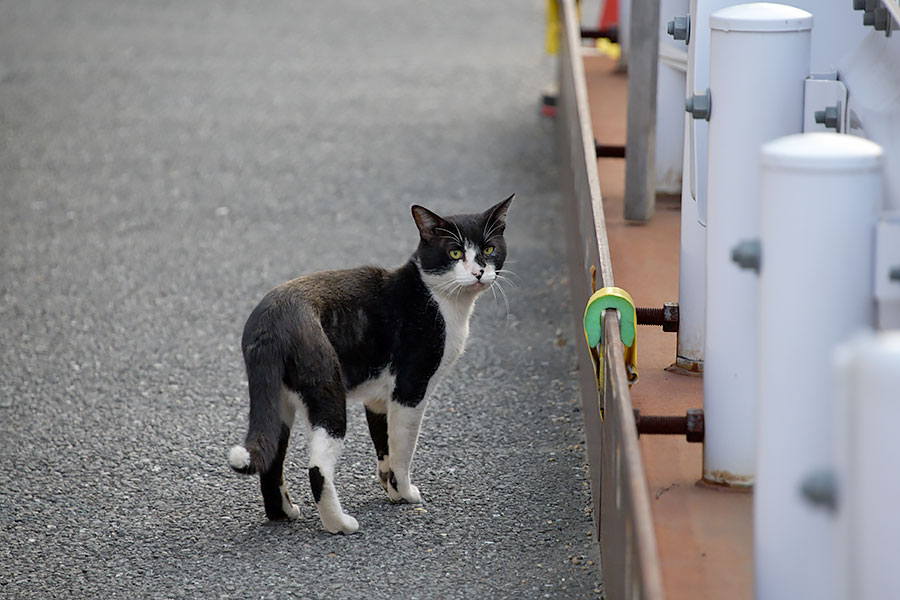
264,376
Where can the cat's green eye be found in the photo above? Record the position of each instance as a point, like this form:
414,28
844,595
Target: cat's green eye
489,250
456,254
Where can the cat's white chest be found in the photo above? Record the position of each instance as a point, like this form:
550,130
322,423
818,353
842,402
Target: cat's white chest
456,313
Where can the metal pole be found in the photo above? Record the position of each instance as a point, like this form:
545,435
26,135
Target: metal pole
819,198
759,58
640,168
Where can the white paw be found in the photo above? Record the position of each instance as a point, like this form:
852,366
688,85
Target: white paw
412,495
293,512
409,494
345,524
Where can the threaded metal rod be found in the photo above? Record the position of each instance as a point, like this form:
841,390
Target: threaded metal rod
650,316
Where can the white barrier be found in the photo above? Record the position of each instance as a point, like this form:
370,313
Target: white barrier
868,490
759,58
820,195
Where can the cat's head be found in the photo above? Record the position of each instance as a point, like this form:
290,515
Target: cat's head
462,253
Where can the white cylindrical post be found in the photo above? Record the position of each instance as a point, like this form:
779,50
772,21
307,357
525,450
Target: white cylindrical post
868,490
691,279
759,58
692,259
820,194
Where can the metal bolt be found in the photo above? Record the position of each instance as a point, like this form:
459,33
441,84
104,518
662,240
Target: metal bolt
695,425
872,5
820,489
699,105
748,254
894,274
859,4
882,19
830,117
666,317
691,425
680,28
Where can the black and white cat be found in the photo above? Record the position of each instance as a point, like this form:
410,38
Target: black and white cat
382,337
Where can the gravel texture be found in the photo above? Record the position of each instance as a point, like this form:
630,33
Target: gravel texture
163,164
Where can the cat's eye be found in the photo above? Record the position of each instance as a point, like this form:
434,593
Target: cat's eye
489,250
456,254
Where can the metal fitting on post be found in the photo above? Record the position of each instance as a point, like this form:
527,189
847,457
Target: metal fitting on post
893,275
748,255
859,4
830,117
680,28
665,317
699,105
878,17
820,489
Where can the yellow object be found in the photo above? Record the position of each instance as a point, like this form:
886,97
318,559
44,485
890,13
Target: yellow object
620,300
554,26
604,46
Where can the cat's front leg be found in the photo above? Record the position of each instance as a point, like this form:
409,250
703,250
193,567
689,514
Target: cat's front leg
404,422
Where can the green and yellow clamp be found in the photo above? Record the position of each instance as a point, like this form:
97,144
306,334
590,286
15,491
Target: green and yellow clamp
600,301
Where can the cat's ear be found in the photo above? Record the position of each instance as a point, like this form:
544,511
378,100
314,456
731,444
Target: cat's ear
496,215
427,222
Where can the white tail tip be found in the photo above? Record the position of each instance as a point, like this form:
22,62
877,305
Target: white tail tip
239,458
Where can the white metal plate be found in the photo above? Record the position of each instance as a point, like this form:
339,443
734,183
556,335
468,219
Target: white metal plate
820,93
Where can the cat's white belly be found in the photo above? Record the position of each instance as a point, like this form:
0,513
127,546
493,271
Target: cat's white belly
378,388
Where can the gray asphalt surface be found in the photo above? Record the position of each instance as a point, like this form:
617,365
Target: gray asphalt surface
163,164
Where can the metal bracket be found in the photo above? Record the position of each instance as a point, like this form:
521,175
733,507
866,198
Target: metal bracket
824,103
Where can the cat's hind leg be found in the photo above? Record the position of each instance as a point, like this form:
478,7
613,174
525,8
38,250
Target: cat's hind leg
271,482
324,451
326,405
376,417
275,495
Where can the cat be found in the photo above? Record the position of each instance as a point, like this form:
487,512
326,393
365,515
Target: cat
381,336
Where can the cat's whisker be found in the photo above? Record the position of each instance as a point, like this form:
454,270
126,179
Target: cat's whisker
508,272
507,280
492,230
453,236
505,299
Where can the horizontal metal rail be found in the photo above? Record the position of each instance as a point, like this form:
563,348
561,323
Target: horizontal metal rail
621,498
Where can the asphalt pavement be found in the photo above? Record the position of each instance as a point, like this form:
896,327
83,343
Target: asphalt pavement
162,165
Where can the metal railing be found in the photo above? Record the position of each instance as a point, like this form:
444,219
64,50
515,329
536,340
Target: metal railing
621,499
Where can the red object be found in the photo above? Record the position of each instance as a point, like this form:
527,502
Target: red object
610,15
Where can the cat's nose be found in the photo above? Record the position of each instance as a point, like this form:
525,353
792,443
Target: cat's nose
478,274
